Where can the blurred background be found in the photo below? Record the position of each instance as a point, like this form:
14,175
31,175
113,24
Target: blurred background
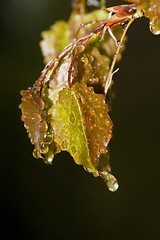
62,201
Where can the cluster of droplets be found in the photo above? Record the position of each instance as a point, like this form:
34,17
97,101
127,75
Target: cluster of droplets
153,12
91,68
67,126
98,125
35,121
151,9
98,130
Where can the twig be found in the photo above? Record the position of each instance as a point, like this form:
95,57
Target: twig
109,78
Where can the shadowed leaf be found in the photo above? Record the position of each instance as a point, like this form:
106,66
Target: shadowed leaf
34,117
35,120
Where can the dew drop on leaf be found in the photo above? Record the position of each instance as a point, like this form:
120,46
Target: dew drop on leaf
43,126
72,118
102,150
107,122
83,99
36,118
48,138
49,157
44,148
64,145
92,112
110,180
63,113
73,150
36,154
155,26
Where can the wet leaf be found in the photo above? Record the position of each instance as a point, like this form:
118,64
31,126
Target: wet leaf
76,119
49,45
34,117
92,68
66,32
82,127
35,120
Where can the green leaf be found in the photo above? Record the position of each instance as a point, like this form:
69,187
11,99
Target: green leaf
82,126
54,40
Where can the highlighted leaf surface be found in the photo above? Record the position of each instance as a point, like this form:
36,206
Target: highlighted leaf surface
49,45
81,125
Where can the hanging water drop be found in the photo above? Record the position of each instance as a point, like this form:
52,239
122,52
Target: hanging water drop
44,148
49,157
36,154
110,180
155,26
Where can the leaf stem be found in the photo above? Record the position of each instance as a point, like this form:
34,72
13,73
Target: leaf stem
103,3
109,78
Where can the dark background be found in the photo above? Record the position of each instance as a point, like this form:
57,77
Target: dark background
62,201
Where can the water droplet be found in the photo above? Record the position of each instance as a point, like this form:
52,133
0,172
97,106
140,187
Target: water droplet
82,59
48,138
41,104
90,99
49,158
106,141
91,58
43,126
103,150
88,170
83,100
64,113
44,148
91,80
36,154
107,122
91,110
73,149
72,118
36,118
111,181
96,80
95,102
155,26
64,145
